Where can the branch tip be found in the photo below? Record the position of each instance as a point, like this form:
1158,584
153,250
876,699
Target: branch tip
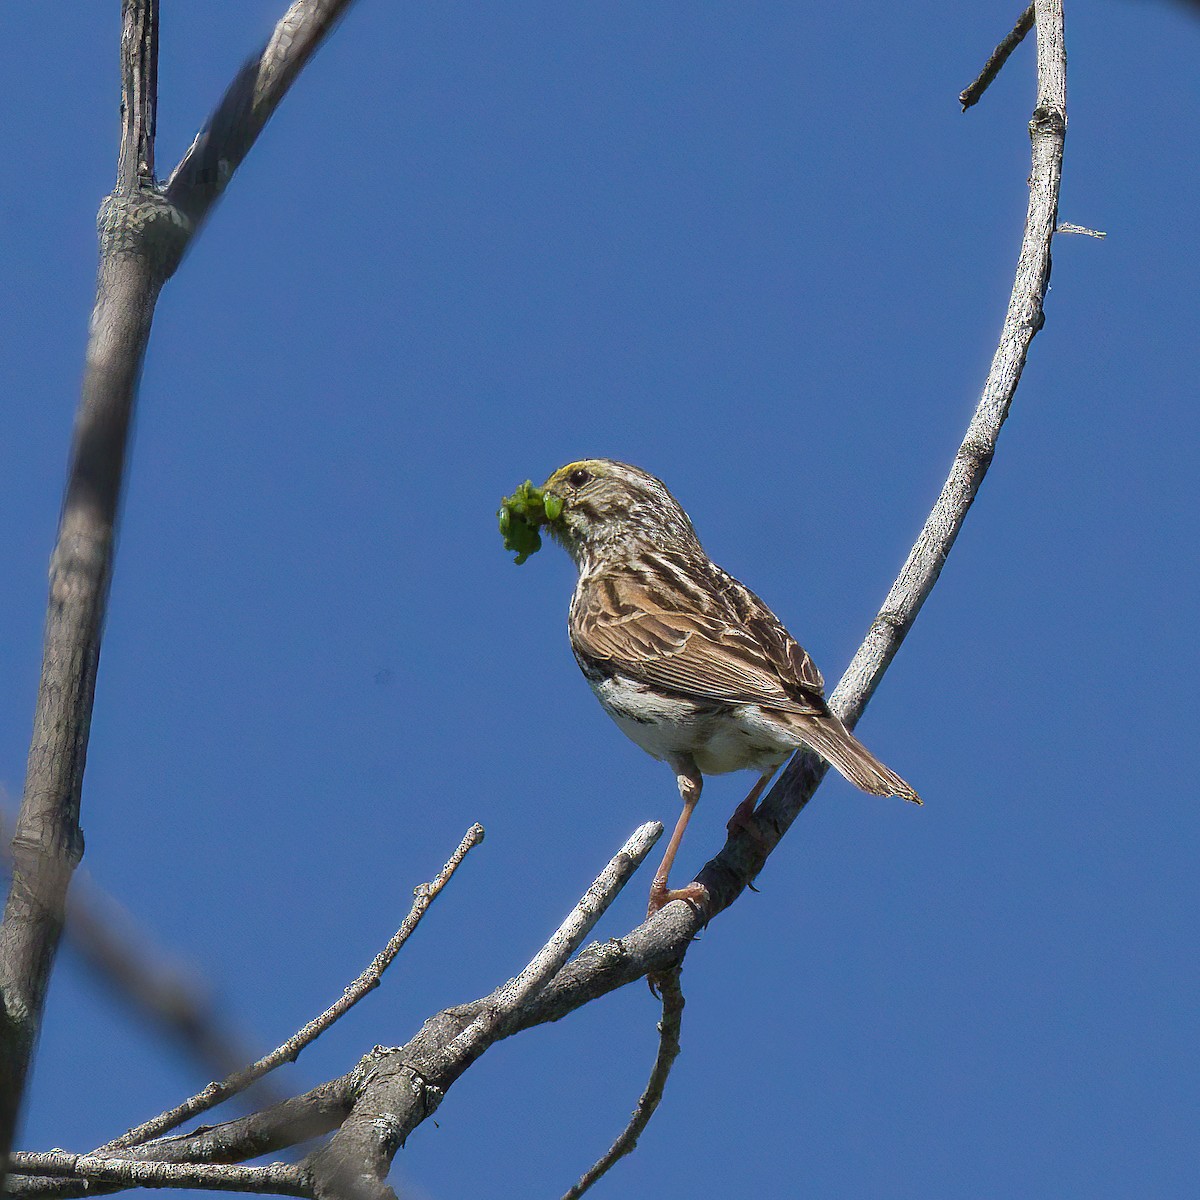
971,95
289,1051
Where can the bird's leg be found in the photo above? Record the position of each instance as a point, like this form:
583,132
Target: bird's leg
744,811
690,782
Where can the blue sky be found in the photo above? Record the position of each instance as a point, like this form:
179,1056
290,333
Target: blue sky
759,251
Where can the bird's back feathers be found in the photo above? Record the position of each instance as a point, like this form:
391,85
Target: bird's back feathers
705,637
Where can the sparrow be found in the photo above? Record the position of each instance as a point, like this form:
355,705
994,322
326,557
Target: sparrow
691,665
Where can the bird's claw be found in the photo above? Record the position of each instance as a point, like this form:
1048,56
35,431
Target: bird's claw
661,895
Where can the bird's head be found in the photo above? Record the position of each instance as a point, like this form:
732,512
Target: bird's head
605,510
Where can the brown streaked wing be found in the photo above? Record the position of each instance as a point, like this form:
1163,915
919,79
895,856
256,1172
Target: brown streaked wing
619,619
788,657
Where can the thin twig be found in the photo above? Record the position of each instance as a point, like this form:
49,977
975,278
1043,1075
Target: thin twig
392,1096
281,1179
1024,318
668,1052
1070,227
215,1093
565,940
991,68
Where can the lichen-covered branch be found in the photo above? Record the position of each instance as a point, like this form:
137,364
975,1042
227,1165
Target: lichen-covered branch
278,1179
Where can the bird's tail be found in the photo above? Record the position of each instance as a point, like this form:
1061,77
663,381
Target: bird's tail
834,742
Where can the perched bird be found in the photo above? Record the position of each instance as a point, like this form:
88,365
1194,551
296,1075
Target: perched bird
689,663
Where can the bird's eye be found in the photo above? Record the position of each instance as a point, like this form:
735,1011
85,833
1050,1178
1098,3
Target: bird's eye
579,477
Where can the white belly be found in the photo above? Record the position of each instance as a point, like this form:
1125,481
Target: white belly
718,738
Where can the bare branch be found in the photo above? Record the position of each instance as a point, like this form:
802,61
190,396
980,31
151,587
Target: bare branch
280,1179
139,94
285,1124
1022,321
393,1095
565,940
668,1052
215,1093
971,95
143,234
920,572
48,844
255,93
288,1123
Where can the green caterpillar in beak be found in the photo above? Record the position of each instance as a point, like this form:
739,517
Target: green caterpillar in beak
520,515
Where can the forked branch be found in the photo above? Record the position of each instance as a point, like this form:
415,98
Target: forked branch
394,1091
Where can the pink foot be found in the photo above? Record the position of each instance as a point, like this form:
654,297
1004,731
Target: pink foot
661,895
